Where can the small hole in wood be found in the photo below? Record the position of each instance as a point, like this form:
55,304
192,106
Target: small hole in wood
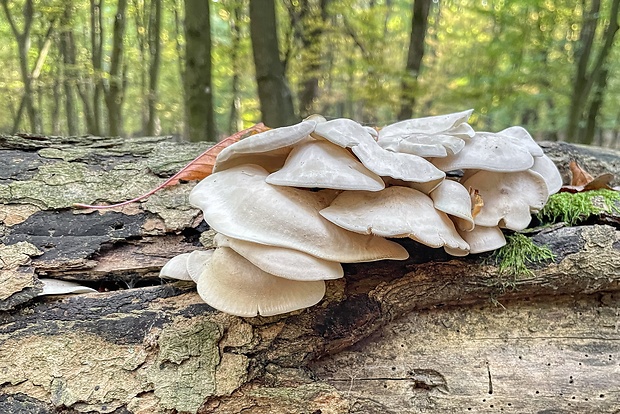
602,396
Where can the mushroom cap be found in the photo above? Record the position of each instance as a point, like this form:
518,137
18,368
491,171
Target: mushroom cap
233,285
547,169
176,268
62,287
239,203
508,198
454,199
268,149
433,136
394,212
490,152
483,239
282,262
520,136
349,134
196,262
321,164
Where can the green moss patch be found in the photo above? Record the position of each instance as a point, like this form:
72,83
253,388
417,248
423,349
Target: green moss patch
573,208
518,254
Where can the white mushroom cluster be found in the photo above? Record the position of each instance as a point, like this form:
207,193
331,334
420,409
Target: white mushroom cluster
291,204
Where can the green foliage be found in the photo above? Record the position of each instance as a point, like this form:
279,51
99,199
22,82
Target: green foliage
518,254
573,208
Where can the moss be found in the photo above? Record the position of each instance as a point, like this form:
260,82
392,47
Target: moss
573,208
519,252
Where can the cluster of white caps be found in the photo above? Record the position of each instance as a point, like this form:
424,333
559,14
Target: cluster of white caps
291,204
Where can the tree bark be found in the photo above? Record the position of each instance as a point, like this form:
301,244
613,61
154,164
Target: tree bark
198,82
114,89
389,337
276,101
419,22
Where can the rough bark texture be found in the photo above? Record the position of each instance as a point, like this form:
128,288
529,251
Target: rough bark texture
391,337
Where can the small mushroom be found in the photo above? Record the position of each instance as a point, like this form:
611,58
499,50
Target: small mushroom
62,287
508,198
268,149
349,134
283,262
176,268
196,262
239,203
490,152
394,212
483,239
434,136
321,164
454,199
233,285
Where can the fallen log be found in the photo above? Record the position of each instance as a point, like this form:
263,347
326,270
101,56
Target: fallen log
429,333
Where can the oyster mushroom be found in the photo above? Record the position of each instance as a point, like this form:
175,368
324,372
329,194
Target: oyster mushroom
489,152
283,262
62,287
321,164
483,239
407,167
394,212
268,149
232,284
509,198
520,136
239,203
186,266
547,169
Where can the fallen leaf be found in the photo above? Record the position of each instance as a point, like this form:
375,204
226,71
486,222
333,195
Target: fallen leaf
476,201
199,168
579,175
583,181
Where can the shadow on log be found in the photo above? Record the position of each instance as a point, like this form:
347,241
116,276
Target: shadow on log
432,333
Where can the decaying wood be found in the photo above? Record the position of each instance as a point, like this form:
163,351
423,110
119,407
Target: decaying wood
428,334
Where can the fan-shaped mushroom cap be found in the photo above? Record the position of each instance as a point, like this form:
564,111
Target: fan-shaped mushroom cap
394,212
490,152
62,287
508,197
547,169
176,268
268,149
233,285
239,203
349,134
283,262
196,262
321,164
483,239
433,136
454,199
520,136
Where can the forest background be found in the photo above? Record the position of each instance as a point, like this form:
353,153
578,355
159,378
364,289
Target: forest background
201,70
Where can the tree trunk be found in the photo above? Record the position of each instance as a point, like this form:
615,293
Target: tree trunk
584,82
419,22
390,337
198,83
276,101
154,31
234,121
96,41
67,50
114,87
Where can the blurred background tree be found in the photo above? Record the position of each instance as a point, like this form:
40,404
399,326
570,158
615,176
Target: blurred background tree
202,69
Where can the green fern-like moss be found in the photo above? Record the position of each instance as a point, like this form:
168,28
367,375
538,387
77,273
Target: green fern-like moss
573,208
519,252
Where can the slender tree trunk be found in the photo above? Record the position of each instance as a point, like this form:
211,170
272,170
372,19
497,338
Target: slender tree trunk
234,121
419,22
582,106
96,39
142,36
55,115
114,90
152,127
68,58
197,82
275,97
